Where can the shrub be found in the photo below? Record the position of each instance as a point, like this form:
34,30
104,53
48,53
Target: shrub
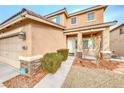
51,62
64,53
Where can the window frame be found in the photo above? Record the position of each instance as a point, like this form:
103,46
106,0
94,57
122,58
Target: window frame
75,21
88,40
55,18
88,16
121,31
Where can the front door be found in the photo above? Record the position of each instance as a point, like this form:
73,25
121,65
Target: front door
72,44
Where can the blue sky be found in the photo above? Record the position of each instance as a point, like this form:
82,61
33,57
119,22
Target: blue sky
115,12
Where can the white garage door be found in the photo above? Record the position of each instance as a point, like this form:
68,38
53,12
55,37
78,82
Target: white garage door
10,49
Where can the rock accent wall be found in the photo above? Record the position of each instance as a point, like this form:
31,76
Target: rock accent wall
30,67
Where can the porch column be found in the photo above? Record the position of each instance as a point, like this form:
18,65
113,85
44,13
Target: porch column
106,40
106,53
79,43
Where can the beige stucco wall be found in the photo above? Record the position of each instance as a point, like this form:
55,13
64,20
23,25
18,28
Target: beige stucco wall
25,27
81,19
40,38
106,39
117,41
63,18
46,38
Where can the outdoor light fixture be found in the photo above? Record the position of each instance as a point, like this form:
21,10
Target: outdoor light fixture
22,35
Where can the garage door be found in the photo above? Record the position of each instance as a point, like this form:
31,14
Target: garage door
10,49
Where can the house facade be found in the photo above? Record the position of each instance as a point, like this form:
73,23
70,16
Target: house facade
27,35
116,40
80,26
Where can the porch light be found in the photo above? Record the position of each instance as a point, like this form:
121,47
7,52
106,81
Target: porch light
22,35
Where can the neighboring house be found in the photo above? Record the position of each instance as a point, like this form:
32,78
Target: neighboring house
117,40
27,34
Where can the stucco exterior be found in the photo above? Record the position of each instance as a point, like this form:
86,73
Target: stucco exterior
83,21
116,41
80,18
46,38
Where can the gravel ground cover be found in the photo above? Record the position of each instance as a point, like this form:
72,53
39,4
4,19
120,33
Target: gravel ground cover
24,81
83,77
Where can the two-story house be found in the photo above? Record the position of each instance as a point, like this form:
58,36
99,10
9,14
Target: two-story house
81,25
27,35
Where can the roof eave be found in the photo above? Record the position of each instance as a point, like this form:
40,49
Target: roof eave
116,27
25,15
43,21
58,12
13,20
87,10
108,24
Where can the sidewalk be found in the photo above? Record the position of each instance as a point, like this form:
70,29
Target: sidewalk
56,80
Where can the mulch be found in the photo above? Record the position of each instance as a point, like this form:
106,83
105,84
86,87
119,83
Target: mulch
103,64
25,81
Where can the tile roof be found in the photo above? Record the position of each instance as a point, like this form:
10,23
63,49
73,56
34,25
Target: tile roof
33,14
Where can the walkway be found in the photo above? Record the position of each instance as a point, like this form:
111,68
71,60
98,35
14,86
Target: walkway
56,80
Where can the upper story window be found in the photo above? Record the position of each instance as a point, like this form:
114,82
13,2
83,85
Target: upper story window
90,16
73,20
121,31
56,19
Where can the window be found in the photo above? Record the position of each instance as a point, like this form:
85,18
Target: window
85,44
91,16
73,20
121,31
88,44
56,19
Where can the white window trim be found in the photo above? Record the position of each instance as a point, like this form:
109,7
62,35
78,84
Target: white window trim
76,21
93,19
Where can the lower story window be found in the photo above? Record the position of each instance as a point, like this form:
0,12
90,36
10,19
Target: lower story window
88,43
121,31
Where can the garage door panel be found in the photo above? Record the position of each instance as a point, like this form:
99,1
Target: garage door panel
10,49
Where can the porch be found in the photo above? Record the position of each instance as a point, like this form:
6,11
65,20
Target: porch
87,42
89,39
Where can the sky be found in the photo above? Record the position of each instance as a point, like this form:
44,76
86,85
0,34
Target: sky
112,13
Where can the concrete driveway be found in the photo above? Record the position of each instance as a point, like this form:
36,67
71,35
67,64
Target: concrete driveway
6,72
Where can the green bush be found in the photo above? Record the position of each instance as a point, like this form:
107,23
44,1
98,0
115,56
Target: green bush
64,53
51,62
